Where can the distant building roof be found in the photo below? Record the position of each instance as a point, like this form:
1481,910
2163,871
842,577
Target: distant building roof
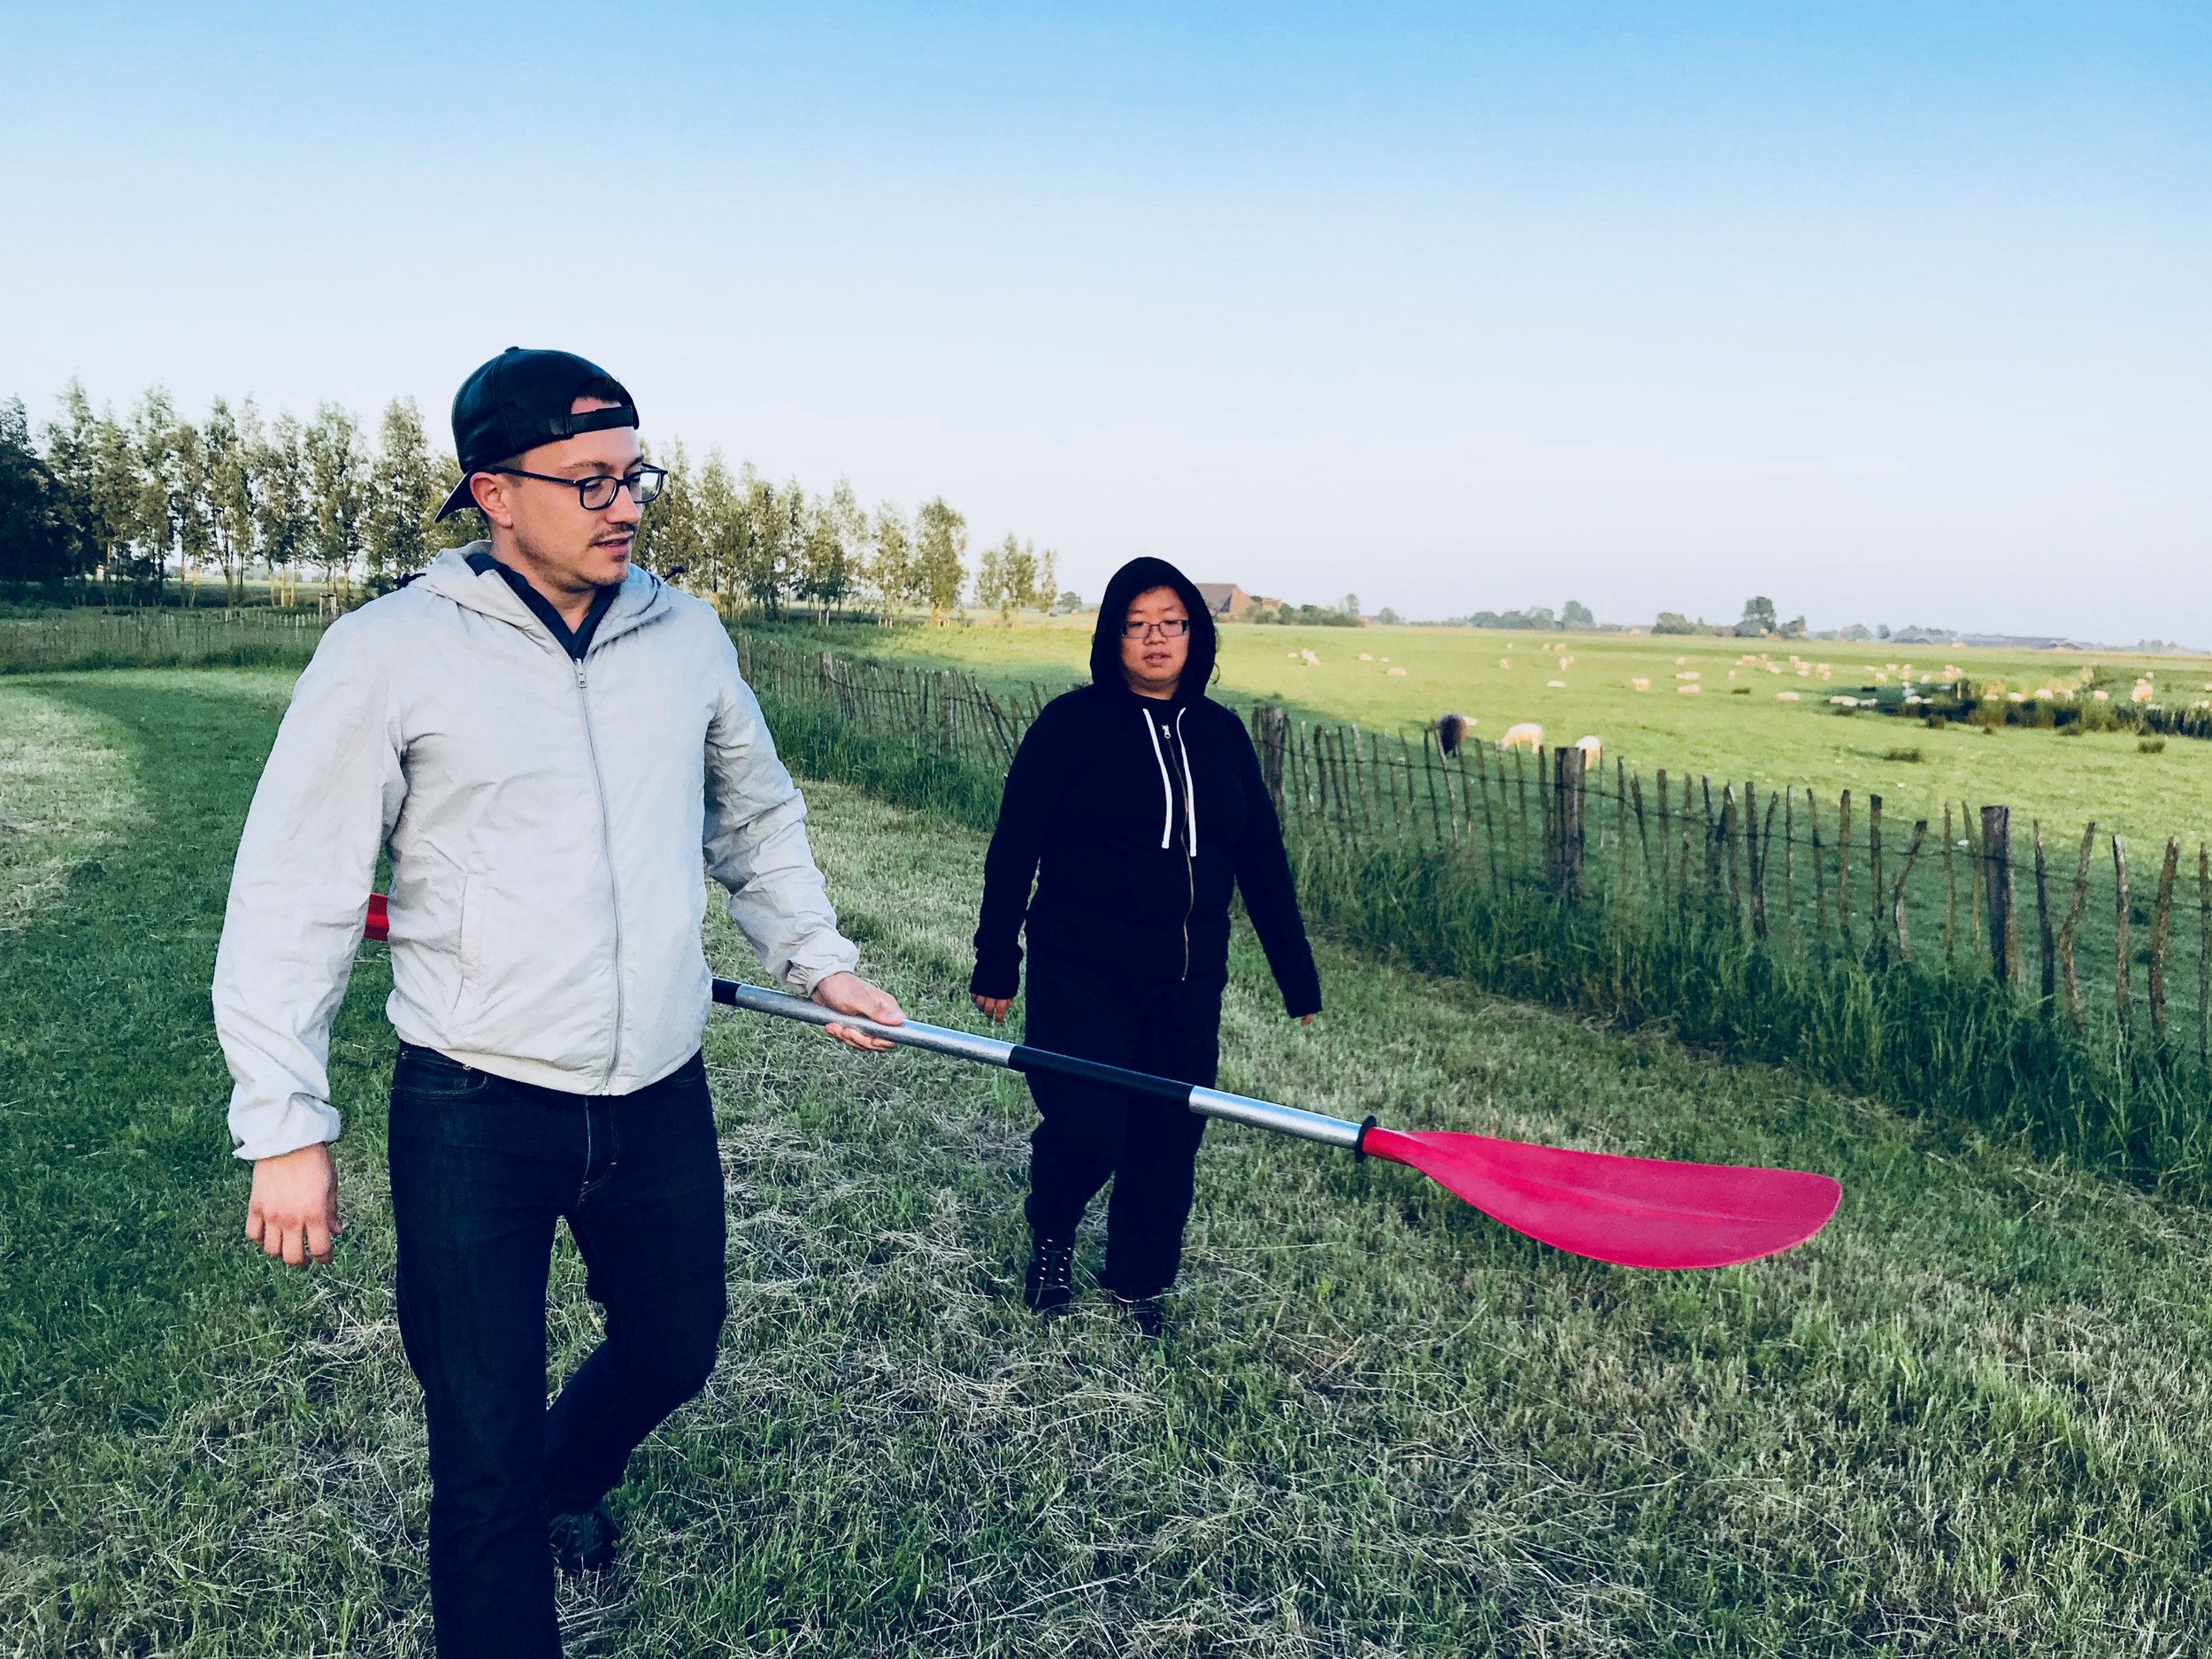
1224,599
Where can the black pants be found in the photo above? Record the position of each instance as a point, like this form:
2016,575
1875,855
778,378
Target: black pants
1147,1147
482,1168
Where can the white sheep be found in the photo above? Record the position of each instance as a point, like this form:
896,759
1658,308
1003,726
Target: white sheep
1527,734
1593,752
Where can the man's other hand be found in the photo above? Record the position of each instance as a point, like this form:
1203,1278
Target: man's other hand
849,994
294,1209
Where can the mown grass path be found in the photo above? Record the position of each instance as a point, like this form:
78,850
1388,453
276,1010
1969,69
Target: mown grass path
1965,1419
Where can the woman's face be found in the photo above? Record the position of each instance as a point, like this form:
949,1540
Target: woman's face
1155,643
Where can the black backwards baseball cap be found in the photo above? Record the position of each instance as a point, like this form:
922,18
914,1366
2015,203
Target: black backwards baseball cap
521,399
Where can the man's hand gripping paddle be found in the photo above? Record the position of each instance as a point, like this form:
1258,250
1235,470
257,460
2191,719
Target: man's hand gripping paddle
1634,1212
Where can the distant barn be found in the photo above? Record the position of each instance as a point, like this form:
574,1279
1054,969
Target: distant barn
1224,599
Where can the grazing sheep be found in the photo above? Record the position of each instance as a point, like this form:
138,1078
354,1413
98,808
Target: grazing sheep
1451,732
1640,684
1527,735
1593,752
1399,674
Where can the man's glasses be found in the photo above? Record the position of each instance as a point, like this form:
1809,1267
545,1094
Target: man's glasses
1174,628
596,493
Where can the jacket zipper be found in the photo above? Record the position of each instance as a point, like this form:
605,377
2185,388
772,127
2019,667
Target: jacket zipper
614,885
1190,903
1190,816
1190,874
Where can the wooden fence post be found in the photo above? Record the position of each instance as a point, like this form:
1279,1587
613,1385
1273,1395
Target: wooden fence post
1729,836
2161,919
1567,819
1428,774
2044,949
1997,844
1489,819
1643,837
1759,874
1682,870
1843,871
1874,862
1270,726
1976,875
1789,861
2074,910
2121,976
1950,889
1620,821
1522,834
1897,896
1820,869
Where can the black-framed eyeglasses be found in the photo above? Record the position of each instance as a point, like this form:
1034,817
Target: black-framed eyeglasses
596,493
1173,628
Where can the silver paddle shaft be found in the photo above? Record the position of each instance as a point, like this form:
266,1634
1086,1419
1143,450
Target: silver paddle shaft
1013,1056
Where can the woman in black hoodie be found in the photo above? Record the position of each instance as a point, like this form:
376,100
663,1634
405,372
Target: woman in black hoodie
1136,805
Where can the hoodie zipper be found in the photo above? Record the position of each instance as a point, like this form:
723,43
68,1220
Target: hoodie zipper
1190,820
614,885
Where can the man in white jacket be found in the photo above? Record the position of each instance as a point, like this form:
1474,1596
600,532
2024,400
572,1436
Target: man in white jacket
545,741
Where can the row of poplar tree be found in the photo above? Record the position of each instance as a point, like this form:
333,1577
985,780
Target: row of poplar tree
93,507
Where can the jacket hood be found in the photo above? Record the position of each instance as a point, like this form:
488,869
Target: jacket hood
1139,576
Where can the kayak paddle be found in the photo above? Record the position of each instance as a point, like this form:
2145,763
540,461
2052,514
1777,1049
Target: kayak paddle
1633,1212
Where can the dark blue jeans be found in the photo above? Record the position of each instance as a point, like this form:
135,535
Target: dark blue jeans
481,1168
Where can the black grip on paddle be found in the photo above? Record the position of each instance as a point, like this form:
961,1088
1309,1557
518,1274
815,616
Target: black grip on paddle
1027,1059
1359,1146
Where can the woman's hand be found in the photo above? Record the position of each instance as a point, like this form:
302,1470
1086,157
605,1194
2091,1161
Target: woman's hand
994,1006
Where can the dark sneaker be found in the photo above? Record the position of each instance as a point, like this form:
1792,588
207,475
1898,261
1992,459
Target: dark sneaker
1148,1314
584,1542
1051,1283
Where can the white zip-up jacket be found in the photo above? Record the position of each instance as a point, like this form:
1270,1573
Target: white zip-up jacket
545,819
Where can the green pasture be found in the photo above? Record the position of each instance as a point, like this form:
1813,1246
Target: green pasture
2066,782
1963,1421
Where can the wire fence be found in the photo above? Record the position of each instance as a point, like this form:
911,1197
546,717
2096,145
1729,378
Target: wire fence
2086,921
150,637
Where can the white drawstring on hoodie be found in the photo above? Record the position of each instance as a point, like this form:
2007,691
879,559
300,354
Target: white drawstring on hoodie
1167,786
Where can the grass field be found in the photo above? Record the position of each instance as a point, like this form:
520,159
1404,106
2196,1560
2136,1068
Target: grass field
2065,781
1963,1421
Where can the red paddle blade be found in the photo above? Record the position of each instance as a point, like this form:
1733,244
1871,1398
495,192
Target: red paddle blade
1634,1212
379,922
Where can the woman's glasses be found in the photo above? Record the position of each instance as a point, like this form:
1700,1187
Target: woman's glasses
1174,628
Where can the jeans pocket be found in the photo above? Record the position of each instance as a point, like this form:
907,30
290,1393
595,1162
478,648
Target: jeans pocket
426,1074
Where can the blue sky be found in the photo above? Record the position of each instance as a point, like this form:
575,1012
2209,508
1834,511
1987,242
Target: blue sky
1894,312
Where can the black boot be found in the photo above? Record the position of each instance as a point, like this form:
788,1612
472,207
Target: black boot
1148,1314
584,1542
1051,1285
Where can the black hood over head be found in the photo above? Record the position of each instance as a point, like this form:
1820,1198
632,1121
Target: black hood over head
1140,576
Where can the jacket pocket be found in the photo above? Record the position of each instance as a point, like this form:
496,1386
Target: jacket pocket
472,965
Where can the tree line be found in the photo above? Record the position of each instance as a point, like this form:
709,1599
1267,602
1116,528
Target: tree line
102,509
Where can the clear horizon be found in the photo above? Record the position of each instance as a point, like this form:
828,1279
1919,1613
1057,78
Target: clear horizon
1895,315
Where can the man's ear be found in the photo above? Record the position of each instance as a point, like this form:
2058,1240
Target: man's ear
490,491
